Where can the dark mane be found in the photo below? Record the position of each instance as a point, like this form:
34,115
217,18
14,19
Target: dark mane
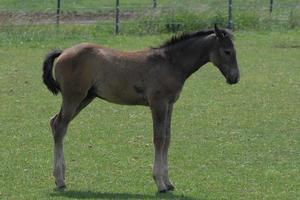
185,36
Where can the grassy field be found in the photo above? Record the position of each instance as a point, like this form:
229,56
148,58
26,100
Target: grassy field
228,142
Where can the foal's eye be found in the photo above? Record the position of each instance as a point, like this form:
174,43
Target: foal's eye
228,53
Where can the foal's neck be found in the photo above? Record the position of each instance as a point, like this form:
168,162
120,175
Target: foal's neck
190,55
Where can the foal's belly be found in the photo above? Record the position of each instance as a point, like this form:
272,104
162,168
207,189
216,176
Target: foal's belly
122,94
121,83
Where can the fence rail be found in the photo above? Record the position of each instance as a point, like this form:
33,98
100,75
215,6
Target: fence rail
156,16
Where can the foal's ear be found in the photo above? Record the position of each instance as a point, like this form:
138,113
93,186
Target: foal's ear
218,32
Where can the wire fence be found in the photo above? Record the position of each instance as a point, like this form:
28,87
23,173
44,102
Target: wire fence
152,17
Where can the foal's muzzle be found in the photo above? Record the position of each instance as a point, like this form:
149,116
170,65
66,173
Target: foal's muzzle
233,76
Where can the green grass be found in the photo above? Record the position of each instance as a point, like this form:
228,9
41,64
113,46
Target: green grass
228,142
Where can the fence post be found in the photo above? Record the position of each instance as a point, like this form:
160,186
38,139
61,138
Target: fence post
57,13
154,4
271,6
117,17
230,23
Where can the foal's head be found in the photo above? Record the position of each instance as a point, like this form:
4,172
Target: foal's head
223,56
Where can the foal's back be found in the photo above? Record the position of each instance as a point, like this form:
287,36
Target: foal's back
119,77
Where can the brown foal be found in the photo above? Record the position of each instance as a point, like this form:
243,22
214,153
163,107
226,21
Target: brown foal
152,77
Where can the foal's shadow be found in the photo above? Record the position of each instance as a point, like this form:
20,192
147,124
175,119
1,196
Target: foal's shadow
107,195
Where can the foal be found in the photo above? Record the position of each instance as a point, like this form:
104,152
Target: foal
152,77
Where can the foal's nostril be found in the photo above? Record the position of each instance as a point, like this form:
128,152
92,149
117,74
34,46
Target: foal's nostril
232,75
233,79
236,80
235,76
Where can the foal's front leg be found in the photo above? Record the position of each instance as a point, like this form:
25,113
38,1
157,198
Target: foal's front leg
166,148
159,115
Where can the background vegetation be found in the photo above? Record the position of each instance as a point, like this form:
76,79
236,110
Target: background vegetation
138,17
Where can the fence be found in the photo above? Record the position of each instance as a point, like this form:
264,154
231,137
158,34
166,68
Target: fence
117,11
151,16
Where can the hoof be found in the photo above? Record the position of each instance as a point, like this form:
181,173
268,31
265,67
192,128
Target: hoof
162,191
60,189
60,186
170,187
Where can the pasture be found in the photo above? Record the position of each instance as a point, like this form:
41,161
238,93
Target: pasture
228,142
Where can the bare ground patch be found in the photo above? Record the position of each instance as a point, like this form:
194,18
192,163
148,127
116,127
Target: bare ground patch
23,18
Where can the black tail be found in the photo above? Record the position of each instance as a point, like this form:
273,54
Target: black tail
48,79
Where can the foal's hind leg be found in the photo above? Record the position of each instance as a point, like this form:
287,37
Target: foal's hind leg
59,124
86,101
